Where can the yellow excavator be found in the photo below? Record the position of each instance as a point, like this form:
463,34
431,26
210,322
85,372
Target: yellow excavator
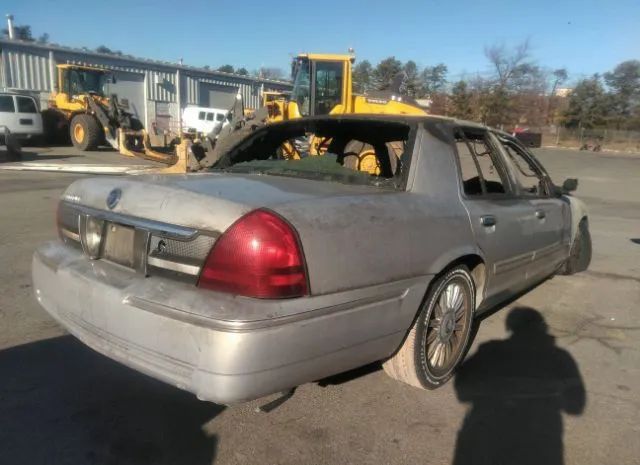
322,85
93,118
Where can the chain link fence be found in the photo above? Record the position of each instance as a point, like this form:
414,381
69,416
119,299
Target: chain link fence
590,139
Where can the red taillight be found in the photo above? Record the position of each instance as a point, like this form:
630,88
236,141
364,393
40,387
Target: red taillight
258,256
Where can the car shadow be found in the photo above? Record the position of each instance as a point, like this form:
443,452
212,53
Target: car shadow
350,375
635,240
518,389
61,403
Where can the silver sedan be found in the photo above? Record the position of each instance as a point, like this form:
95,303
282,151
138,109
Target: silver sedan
312,247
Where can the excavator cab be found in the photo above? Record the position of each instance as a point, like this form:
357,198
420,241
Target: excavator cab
84,80
321,85
75,82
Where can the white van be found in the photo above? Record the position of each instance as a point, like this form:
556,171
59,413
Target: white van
203,120
19,114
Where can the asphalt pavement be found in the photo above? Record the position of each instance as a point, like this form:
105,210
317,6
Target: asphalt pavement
61,403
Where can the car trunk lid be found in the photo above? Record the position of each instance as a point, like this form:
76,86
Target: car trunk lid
211,201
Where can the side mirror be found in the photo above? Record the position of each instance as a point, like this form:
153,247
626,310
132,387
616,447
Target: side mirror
569,185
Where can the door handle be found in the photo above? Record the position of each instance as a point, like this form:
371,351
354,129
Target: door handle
488,220
540,214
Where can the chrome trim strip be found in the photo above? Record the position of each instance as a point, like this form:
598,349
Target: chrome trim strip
512,263
157,228
548,250
173,266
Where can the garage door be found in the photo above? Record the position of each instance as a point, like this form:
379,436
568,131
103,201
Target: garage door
129,87
216,96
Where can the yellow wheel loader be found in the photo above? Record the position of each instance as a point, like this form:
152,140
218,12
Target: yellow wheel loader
93,118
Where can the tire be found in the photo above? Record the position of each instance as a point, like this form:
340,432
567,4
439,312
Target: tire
85,132
581,250
415,363
56,127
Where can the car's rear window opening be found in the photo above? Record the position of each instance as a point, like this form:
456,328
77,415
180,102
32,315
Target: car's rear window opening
369,152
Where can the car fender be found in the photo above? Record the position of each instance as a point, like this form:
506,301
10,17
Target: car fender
578,212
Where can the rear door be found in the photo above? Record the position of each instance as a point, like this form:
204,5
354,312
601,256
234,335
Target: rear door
27,115
551,214
502,222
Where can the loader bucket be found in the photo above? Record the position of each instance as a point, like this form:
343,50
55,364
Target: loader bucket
137,144
181,160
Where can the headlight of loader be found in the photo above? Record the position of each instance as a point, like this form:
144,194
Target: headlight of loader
92,230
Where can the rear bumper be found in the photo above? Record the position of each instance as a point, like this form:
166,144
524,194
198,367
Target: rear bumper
222,348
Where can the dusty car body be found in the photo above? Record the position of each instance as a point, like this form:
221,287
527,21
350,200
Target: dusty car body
133,274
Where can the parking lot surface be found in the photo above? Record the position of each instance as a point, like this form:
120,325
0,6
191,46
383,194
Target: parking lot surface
61,403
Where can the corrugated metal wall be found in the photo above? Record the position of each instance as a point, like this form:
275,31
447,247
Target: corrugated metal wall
161,86
28,71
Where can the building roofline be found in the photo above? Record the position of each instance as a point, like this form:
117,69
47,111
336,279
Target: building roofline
132,59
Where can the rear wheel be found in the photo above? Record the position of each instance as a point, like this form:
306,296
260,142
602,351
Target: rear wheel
441,334
85,132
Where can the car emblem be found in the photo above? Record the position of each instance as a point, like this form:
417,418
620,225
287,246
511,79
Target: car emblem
113,198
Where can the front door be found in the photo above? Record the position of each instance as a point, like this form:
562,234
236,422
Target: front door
502,223
550,241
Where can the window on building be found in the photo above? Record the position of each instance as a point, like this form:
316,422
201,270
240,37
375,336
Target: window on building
219,117
201,115
209,116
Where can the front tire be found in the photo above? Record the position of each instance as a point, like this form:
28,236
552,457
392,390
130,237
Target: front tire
581,250
85,132
440,336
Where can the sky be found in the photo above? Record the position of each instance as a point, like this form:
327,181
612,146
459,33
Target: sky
584,36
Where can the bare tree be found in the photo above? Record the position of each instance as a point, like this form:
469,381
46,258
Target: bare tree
512,73
270,73
506,61
560,76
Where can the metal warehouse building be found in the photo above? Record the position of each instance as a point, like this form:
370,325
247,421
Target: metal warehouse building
154,91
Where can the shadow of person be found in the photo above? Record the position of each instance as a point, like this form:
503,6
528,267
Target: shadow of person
518,389
61,403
